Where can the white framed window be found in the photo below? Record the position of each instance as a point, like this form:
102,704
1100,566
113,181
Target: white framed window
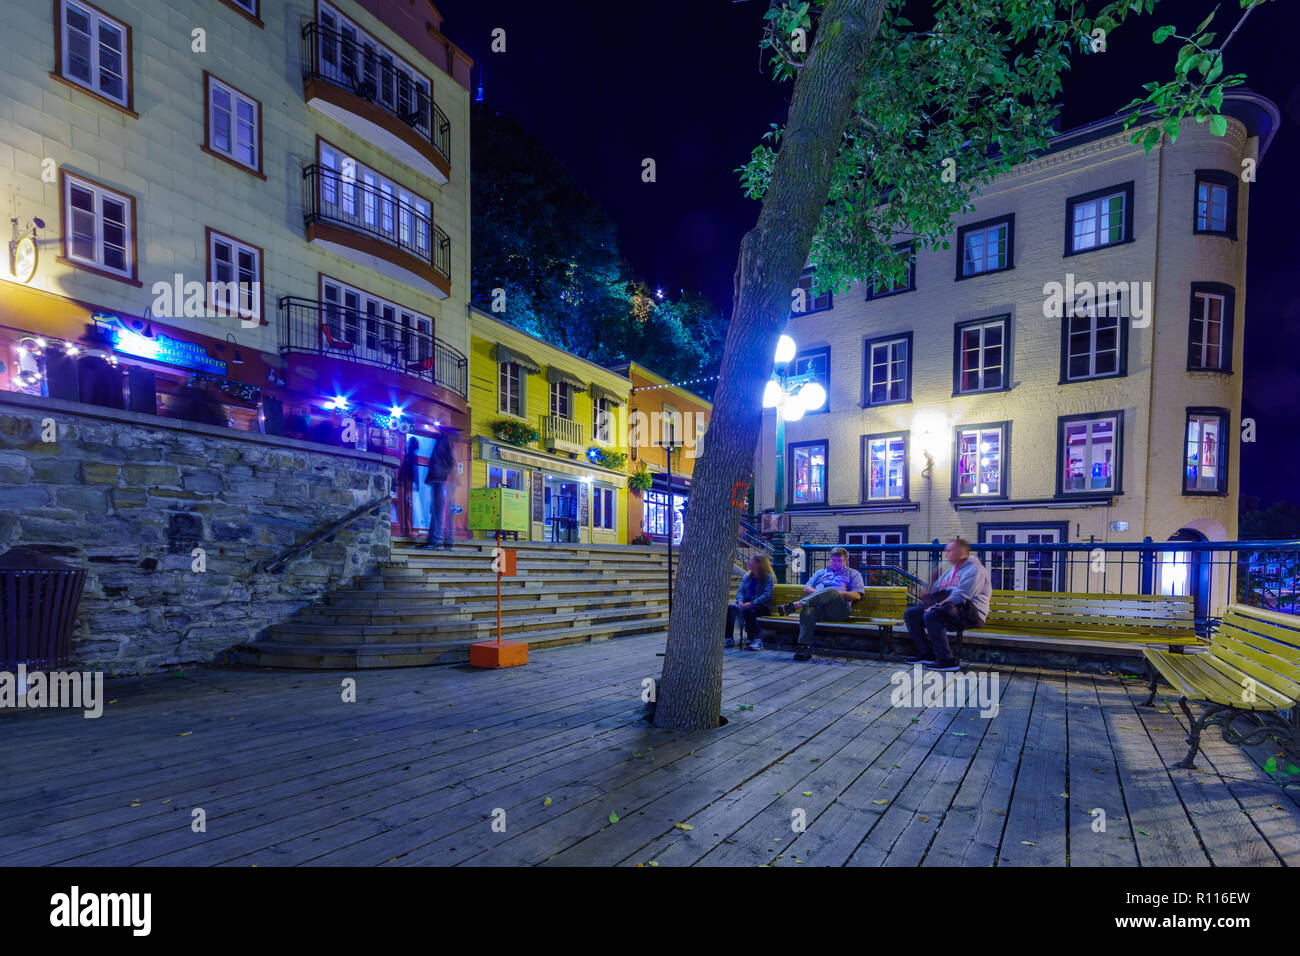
1093,343
1022,569
235,276
885,467
99,224
804,302
1097,221
1205,466
501,477
355,193
874,559
1207,331
351,57
510,390
888,365
94,51
560,400
878,288
1090,454
981,356
670,427
602,508
381,332
984,247
1213,206
979,456
601,420
807,471
234,120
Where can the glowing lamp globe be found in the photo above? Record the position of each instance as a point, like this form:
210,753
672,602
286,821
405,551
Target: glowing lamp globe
784,349
771,394
812,396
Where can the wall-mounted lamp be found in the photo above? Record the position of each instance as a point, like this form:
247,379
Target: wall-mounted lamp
236,358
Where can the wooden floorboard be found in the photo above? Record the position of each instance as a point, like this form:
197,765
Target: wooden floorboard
552,764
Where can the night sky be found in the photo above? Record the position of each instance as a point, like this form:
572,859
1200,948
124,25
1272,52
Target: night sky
604,85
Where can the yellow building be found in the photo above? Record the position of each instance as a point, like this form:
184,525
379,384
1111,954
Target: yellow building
541,420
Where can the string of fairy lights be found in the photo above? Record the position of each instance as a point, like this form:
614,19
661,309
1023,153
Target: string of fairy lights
690,381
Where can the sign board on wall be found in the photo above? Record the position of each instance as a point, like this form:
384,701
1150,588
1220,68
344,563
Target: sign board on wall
158,348
539,497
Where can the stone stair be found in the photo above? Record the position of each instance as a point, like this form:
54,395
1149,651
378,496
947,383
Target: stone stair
427,607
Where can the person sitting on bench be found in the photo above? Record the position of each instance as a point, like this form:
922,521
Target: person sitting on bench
831,593
956,598
753,600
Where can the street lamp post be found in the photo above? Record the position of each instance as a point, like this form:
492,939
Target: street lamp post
791,395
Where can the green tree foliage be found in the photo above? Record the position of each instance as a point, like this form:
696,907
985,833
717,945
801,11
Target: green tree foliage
973,91
552,250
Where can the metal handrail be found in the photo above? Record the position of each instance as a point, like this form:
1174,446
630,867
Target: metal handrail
371,209
390,89
323,535
409,350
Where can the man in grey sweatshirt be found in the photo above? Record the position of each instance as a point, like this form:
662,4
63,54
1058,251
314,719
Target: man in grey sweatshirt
958,596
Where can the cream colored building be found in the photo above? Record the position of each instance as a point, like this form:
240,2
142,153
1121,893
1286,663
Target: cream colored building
314,153
957,405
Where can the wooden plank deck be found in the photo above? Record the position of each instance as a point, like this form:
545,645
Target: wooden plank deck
430,764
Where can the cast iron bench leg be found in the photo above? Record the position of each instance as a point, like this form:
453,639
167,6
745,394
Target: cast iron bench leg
1155,677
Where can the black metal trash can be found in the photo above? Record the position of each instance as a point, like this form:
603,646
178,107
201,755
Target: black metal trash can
39,597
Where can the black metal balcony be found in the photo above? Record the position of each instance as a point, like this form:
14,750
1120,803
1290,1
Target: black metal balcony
367,71
341,200
336,331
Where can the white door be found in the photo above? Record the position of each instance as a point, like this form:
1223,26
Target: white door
1024,569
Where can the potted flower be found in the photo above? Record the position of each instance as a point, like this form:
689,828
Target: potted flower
640,481
515,432
607,457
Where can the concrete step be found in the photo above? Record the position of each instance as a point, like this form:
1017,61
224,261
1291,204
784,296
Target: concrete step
402,597
423,613
452,628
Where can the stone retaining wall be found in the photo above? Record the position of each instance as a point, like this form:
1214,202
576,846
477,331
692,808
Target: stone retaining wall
130,497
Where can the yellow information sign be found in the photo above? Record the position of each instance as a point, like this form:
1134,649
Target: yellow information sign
498,509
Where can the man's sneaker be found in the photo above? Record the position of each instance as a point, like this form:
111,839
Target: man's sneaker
949,666
923,661
803,653
729,642
754,646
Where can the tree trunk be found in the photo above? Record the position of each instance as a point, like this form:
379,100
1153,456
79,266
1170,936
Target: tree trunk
772,254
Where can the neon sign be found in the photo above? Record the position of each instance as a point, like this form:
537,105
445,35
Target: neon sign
159,348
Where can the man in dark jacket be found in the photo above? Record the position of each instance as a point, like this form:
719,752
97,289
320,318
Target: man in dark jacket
442,465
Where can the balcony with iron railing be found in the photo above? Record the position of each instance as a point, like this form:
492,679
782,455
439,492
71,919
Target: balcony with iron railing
360,84
349,335
375,229
563,434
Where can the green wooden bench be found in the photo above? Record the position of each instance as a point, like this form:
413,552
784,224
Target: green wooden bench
1122,618
1248,676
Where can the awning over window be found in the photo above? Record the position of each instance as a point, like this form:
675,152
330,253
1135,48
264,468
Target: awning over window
600,391
504,357
555,374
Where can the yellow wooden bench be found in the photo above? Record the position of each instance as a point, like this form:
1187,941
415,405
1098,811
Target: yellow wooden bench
1248,675
1123,618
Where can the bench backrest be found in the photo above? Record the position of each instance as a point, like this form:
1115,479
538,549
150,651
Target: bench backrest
887,602
1262,644
1047,612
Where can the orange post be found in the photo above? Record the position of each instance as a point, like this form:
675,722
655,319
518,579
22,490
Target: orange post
499,653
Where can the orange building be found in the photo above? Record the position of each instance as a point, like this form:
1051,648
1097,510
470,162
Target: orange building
661,416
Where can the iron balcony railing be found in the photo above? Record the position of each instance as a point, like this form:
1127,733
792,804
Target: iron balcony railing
370,71
1263,574
402,342
342,200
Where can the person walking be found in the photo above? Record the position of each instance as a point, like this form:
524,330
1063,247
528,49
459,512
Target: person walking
753,600
439,478
406,473
959,596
